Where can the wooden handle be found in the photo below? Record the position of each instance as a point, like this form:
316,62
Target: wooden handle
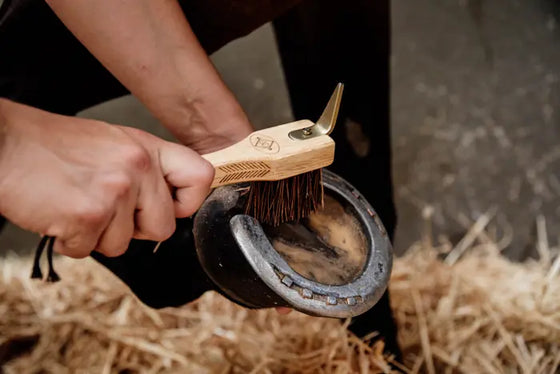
271,154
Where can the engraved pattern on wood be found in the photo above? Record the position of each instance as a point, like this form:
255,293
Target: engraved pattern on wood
244,170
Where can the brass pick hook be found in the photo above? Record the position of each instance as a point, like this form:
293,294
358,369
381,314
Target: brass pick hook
325,124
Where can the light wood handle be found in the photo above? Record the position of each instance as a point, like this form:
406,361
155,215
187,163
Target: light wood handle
271,154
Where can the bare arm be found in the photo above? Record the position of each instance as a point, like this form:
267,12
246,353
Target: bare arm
150,48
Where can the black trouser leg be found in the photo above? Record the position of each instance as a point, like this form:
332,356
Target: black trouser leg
323,42
43,65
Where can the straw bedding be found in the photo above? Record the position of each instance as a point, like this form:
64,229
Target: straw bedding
460,309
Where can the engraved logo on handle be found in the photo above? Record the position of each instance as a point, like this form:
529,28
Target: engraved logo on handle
264,143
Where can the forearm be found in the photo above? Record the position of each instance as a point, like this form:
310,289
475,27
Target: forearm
2,129
3,136
6,107
150,48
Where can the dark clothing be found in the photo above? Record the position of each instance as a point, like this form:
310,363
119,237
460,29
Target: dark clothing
321,42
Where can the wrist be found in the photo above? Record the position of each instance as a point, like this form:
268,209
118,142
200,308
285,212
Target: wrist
206,117
198,104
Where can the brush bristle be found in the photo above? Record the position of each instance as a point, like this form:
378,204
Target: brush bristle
286,200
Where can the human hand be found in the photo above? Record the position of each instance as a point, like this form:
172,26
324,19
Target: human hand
283,310
92,185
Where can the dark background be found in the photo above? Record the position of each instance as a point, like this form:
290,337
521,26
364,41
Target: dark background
475,116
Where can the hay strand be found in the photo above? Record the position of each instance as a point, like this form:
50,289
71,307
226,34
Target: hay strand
472,312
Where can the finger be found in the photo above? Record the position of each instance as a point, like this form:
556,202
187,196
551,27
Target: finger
81,231
115,239
283,310
74,247
155,214
189,173
189,199
79,243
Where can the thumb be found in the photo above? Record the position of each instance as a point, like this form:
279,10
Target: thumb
188,174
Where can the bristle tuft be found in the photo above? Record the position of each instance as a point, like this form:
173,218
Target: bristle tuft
286,200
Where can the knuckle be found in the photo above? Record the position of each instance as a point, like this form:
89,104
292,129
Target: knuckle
188,209
114,251
167,230
162,232
119,184
72,248
188,201
91,213
116,240
72,253
137,158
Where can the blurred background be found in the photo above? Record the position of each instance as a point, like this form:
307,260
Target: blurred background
475,93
